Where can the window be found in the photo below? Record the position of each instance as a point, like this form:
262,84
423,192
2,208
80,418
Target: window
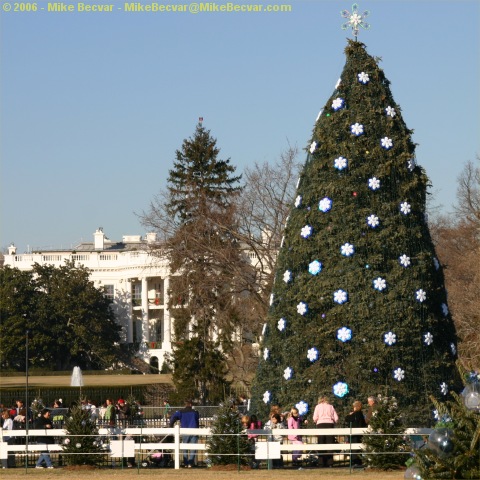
109,292
136,294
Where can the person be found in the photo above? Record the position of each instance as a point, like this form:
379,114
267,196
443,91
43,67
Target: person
294,421
8,462
325,416
252,423
110,413
276,423
372,408
44,422
355,419
123,413
166,410
188,418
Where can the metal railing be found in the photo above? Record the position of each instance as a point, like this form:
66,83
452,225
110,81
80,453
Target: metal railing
142,442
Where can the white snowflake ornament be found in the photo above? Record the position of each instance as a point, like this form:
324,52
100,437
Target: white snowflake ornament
287,373
453,349
379,284
444,309
373,183
325,205
390,338
337,104
399,374
373,221
287,276
315,267
306,231
347,249
390,111
340,389
340,163
313,146
428,338
356,129
281,324
266,353
363,78
387,143
344,334
302,408
444,388
421,295
404,260
312,354
302,308
298,201
266,397
436,263
405,208
340,296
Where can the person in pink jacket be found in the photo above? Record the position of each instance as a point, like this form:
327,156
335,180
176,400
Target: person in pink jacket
325,416
295,421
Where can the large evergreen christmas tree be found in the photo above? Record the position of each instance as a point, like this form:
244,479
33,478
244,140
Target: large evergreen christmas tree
358,305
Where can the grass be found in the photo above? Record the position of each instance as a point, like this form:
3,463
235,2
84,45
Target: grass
204,474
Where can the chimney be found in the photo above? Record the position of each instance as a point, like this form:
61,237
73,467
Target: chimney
12,249
151,237
99,239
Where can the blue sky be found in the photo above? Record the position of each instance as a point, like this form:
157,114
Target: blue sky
94,105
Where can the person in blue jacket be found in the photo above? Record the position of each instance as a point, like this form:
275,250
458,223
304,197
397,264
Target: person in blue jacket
188,418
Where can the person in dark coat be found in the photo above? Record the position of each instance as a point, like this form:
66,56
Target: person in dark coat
189,418
355,419
44,422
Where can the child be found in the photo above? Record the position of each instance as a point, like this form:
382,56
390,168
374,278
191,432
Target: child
294,421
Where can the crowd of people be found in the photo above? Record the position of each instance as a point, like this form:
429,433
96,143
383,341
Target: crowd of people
324,417
120,414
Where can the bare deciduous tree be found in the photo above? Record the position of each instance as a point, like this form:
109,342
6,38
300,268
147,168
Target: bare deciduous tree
457,240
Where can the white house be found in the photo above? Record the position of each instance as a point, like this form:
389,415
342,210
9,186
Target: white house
132,277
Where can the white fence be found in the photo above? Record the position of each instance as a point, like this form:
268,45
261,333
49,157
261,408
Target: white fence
129,442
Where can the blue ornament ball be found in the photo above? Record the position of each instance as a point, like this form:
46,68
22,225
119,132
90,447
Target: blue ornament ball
412,472
440,441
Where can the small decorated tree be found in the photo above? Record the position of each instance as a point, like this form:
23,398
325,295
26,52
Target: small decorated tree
453,449
386,441
225,446
81,445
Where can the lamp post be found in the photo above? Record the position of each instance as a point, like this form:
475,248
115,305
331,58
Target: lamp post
26,399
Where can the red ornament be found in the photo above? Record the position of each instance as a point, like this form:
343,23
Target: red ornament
354,194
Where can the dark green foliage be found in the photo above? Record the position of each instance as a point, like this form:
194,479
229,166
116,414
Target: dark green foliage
225,446
198,169
366,363
386,436
70,322
82,447
203,256
464,461
199,372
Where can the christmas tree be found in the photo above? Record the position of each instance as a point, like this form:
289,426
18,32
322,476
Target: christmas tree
453,449
385,438
81,446
358,305
225,446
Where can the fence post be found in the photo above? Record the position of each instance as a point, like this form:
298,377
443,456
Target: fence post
176,434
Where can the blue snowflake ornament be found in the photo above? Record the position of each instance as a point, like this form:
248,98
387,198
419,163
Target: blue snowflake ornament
355,20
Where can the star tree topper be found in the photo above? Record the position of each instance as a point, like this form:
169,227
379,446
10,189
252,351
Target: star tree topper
355,20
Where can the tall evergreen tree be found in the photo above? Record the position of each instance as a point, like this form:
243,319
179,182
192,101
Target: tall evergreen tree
203,253
358,305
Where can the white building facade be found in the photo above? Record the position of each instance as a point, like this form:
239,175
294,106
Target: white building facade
135,280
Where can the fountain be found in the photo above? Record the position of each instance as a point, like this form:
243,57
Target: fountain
77,379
